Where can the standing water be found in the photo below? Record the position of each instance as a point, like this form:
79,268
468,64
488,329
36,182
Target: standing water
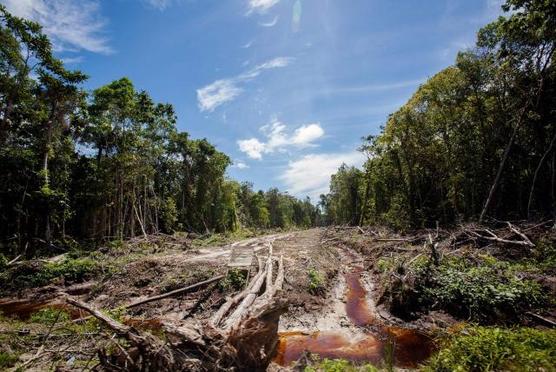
403,347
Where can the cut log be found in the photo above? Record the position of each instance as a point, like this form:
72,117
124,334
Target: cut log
174,293
269,265
243,307
217,317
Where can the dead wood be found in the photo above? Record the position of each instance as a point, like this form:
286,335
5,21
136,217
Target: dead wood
542,319
394,239
174,293
13,261
269,265
516,231
493,237
245,341
147,352
247,301
223,310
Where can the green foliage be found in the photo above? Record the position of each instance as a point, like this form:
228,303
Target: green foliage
316,281
49,316
481,290
339,365
8,360
486,291
235,280
495,349
69,269
438,156
3,262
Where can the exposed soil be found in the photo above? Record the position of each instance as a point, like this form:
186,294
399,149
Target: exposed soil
331,284
348,325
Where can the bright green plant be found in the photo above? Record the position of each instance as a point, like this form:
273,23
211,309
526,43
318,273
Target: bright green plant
316,281
495,349
339,365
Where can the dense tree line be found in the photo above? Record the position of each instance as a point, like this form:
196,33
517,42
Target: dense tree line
107,164
476,140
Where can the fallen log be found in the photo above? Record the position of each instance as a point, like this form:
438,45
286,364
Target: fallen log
542,319
175,292
217,317
247,301
496,238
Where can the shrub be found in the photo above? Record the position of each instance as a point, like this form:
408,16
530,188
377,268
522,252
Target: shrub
488,291
495,349
480,292
235,280
316,281
25,276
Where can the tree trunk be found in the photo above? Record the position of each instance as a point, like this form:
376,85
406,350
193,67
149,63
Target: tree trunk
502,164
541,162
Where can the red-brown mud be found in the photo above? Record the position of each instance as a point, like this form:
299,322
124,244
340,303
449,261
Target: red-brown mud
405,347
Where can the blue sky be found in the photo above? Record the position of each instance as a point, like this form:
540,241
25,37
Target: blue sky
286,88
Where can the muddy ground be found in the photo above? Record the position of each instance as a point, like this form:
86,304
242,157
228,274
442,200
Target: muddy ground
332,286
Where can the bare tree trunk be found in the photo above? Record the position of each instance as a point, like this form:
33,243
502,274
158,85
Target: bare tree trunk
502,164
541,162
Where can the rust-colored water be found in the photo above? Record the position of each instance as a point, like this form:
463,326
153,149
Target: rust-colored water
330,345
357,307
408,347
23,309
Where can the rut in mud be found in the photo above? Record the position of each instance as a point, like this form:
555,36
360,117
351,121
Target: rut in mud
354,330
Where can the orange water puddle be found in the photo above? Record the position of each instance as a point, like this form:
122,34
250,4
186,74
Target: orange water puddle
24,309
406,347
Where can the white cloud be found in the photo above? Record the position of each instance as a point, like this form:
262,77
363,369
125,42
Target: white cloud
252,147
216,94
307,133
226,90
240,165
72,60
261,6
277,139
310,175
269,24
71,25
377,87
248,44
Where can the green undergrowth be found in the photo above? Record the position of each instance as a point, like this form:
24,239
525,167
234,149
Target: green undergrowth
339,365
496,349
8,359
235,280
316,281
480,288
71,270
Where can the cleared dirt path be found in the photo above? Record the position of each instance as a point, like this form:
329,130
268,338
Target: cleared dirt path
347,325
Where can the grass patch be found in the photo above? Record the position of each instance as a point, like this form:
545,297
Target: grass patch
50,316
496,349
7,360
339,365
